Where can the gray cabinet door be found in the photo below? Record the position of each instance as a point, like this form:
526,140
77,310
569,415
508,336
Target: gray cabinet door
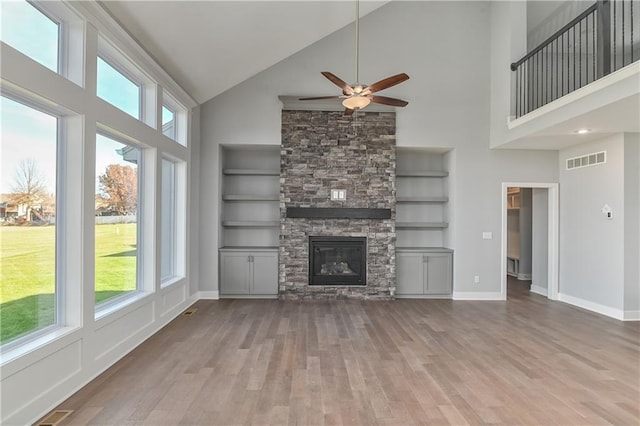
265,273
438,273
409,273
234,273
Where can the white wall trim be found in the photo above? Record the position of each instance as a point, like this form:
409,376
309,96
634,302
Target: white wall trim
552,236
208,295
539,290
524,277
592,306
477,295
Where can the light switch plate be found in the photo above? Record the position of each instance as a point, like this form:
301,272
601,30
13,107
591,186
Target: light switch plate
487,235
338,194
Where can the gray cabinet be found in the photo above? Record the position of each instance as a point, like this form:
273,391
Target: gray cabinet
424,273
248,273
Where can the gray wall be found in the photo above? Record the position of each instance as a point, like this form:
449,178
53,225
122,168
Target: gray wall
449,94
632,224
592,246
524,270
544,18
540,241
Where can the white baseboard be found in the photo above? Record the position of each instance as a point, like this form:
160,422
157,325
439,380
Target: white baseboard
477,295
592,306
631,316
208,295
524,277
542,291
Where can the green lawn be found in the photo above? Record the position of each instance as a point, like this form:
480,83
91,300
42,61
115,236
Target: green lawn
27,273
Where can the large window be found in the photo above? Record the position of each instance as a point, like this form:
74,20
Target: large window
28,30
45,269
27,219
117,203
117,89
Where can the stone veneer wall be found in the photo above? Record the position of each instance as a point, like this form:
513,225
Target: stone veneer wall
321,151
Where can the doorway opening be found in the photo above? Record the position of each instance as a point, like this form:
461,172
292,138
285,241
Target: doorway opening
533,253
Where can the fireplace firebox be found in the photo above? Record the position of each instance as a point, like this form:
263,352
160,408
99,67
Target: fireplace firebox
337,261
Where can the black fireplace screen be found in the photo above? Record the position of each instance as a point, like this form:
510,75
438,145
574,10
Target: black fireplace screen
337,260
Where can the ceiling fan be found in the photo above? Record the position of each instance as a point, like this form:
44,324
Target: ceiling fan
357,96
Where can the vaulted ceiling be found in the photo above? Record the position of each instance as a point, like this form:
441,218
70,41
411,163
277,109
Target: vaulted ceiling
210,46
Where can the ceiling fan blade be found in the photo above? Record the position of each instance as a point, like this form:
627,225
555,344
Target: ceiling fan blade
388,101
348,112
387,82
317,98
346,89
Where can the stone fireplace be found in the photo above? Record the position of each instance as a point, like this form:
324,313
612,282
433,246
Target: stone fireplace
321,151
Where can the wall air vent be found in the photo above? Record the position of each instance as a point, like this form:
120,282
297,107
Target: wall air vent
587,160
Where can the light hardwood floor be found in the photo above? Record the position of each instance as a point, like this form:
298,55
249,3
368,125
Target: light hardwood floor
524,361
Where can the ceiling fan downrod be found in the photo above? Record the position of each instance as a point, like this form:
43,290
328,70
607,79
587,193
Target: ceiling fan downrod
357,43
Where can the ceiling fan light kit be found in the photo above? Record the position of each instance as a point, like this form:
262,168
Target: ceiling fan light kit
356,102
357,96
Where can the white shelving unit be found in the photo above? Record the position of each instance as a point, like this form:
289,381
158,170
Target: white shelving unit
250,220
422,198
424,265
250,188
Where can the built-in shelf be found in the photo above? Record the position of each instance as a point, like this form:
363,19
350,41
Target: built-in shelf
250,197
421,225
250,192
421,173
250,223
252,172
422,199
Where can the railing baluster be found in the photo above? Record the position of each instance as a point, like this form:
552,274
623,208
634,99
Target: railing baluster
557,68
615,52
622,33
543,85
580,54
551,73
574,58
517,92
587,37
593,27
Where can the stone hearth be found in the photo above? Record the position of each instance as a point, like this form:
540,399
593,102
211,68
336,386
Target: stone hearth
322,151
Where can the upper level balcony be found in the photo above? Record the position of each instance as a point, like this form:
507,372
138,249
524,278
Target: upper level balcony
584,76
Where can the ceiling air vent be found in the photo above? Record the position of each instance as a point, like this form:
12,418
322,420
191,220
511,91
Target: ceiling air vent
587,160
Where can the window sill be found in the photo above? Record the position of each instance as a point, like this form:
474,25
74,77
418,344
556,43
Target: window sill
29,344
168,282
118,305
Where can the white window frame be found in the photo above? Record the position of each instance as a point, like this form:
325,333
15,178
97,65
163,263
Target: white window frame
85,31
173,122
180,118
116,66
31,101
179,240
117,302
